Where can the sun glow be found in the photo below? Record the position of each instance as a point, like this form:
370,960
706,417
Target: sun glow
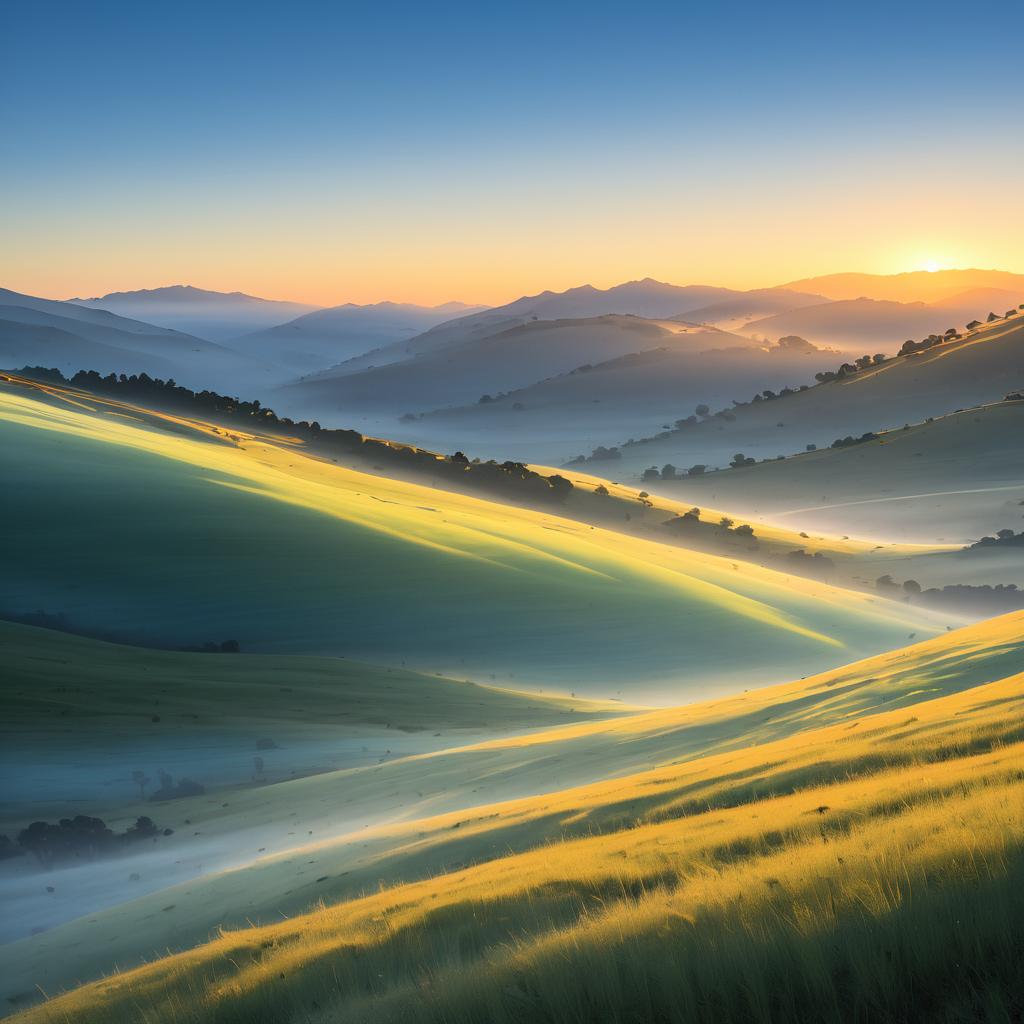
932,266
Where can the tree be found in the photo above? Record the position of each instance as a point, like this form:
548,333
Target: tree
651,473
697,470
668,471
702,409
911,587
141,779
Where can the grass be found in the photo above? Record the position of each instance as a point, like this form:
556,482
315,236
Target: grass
186,533
865,865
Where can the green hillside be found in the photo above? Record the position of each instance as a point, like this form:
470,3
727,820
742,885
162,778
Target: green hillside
185,534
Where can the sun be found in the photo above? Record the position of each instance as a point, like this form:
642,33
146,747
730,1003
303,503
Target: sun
932,266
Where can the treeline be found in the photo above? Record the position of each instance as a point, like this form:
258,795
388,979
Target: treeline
1002,539
79,838
513,480
1003,597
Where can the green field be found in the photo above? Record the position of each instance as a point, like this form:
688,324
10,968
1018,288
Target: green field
184,534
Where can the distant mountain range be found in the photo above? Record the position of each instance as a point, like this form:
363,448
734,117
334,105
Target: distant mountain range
214,315
70,337
327,336
915,286
371,365
883,323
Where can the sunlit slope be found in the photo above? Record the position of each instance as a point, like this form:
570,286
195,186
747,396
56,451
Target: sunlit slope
981,368
179,540
876,859
442,810
954,480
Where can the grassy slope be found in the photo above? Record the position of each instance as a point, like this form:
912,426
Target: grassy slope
886,839
955,479
214,535
980,369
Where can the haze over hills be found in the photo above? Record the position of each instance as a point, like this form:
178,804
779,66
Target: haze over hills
209,314
511,358
35,331
913,286
648,299
883,325
733,313
979,368
325,337
951,480
629,396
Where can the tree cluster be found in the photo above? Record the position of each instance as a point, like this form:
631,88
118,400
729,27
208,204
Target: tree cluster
81,838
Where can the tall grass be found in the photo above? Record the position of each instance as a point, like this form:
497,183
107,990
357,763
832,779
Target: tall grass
868,879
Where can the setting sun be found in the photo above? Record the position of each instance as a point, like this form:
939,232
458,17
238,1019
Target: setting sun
932,266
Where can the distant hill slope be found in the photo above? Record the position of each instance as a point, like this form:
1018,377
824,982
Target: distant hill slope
816,803
916,286
38,331
978,369
328,336
649,299
734,313
870,325
511,358
954,480
183,534
633,395
209,314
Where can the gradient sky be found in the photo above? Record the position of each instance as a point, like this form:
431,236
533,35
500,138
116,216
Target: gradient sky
418,152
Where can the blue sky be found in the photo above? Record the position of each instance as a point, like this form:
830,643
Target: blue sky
327,130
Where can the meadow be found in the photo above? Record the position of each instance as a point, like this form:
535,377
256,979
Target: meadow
864,869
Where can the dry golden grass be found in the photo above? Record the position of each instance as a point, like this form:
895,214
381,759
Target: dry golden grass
870,870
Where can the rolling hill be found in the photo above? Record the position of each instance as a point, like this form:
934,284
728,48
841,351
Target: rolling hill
509,359
952,480
979,368
215,315
875,809
325,337
628,396
649,299
736,312
874,325
187,533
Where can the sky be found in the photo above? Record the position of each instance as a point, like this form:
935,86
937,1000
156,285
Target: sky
429,152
